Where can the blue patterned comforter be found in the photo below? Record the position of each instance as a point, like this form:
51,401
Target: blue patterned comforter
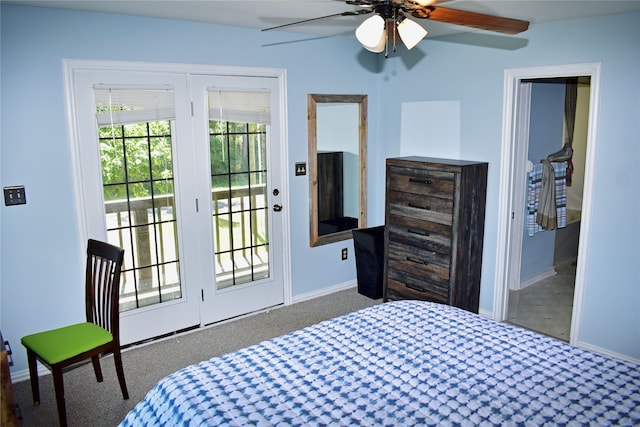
400,364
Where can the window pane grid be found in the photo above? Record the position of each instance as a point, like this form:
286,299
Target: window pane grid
139,206
238,179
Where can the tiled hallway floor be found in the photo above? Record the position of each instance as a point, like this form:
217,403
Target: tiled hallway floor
546,306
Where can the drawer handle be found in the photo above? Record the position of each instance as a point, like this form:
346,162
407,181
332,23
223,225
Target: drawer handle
417,261
415,288
421,181
413,205
9,352
419,233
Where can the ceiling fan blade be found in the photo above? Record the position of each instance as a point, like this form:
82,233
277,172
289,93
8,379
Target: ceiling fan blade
347,13
471,19
424,3
366,3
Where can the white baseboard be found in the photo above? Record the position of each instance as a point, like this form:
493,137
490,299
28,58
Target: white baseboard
18,376
23,375
606,352
538,277
485,313
324,291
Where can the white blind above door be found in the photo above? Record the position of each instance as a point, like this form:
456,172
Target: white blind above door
120,106
240,106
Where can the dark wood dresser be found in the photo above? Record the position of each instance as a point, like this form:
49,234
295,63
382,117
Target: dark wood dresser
434,216
8,404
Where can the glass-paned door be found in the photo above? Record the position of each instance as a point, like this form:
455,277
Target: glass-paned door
245,202
136,159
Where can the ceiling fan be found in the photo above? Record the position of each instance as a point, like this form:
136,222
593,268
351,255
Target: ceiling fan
378,32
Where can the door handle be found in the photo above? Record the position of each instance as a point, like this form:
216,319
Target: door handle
277,208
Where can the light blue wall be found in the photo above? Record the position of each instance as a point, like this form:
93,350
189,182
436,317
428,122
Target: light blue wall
41,258
474,76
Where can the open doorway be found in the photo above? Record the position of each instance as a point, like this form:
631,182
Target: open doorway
558,119
513,184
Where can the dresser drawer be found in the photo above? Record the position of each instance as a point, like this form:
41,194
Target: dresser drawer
426,208
410,260
407,287
422,234
421,181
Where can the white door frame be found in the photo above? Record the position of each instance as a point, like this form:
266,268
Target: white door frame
73,66
520,150
512,175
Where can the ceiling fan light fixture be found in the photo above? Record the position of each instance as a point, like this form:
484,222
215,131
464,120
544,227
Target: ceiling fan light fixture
381,43
411,32
379,47
371,34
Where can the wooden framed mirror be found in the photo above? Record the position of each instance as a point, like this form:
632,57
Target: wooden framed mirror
337,166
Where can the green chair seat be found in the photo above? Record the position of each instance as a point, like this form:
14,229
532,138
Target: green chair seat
57,345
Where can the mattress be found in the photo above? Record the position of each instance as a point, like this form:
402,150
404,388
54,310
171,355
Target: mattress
400,363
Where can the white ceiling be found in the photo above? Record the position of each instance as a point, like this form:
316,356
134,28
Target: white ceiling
261,14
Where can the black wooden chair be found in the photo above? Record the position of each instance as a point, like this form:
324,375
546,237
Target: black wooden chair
60,348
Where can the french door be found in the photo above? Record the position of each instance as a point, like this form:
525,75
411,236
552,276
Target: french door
195,217
234,124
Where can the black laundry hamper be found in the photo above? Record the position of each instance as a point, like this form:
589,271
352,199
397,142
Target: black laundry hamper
368,245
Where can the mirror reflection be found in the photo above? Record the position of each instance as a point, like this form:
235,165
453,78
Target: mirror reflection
337,166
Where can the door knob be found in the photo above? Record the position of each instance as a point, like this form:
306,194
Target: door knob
277,208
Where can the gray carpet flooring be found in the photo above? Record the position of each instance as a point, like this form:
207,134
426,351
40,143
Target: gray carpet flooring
100,404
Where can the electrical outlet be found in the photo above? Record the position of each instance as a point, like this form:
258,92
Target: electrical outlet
14,195
345,253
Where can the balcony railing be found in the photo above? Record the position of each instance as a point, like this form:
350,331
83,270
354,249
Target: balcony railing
146,228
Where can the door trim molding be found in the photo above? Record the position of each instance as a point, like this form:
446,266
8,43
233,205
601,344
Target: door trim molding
521,148
509,190
73,67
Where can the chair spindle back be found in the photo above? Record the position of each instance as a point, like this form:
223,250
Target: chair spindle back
104,264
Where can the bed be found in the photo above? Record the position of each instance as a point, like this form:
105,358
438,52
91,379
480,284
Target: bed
400,363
